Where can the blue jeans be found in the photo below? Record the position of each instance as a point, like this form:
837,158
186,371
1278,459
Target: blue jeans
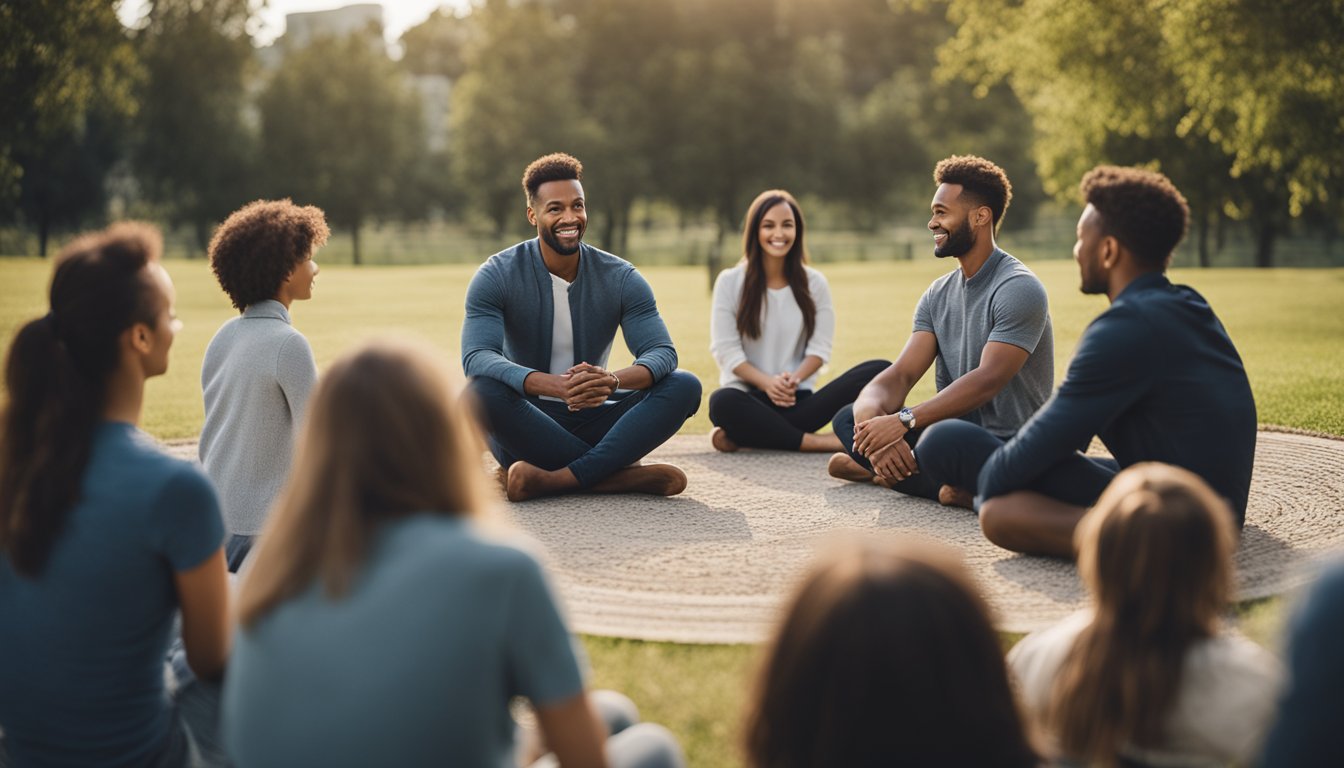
594,442
953,452
630,743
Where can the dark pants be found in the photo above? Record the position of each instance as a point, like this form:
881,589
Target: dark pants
752,421
918,484
593,442
236,550
953,453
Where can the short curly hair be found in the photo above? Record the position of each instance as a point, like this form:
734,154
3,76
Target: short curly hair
984,181
1141,209
556,166
254,251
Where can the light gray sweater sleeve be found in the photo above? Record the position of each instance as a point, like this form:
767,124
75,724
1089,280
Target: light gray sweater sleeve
296,372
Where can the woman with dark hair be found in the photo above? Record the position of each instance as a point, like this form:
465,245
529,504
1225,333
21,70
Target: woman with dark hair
885,657
103,537
770,332
382,621
258,370
1148,675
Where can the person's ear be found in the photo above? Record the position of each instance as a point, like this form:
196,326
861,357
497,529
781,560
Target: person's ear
140,338
1110,252
531,216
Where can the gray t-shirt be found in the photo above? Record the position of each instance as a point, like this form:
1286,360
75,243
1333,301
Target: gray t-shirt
1004,302
415,666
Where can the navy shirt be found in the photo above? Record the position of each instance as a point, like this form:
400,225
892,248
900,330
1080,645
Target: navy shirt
1158,379
82,647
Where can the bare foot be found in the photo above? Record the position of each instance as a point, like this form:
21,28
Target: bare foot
655,479
952,496
814,443
721,442
528,481
843,466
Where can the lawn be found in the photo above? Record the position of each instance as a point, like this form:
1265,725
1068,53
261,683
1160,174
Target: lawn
1287,323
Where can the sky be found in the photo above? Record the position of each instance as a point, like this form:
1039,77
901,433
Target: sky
398,15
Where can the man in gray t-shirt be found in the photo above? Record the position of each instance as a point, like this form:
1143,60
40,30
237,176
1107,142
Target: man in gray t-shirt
986,325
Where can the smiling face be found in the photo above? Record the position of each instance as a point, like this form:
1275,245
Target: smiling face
778,231
950,224
560,215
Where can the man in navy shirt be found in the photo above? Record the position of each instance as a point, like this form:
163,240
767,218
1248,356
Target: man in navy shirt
1155,377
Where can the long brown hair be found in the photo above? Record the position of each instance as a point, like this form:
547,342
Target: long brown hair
57,375
385,435
752,304
886,656
1156,552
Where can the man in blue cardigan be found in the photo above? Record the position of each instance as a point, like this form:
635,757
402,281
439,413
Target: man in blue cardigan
541,318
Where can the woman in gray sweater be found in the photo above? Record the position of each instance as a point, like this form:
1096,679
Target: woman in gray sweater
258,369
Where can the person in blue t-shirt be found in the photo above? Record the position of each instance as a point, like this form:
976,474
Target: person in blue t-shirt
103,537
381,624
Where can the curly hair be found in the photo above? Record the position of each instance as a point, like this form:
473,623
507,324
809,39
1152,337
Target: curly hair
556,166
254,251
983,181
1142,209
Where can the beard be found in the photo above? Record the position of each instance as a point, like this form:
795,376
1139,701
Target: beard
549,236
1091,284
958,243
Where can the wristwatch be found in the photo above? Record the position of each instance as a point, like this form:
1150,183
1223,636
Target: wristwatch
907,417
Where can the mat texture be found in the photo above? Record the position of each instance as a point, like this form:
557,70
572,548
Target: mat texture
714,564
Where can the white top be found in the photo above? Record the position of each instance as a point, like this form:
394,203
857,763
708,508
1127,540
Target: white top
1229,689
781,346
562,331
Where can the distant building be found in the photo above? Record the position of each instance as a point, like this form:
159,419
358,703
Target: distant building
301,28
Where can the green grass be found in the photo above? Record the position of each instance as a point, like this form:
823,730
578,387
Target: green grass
1287,324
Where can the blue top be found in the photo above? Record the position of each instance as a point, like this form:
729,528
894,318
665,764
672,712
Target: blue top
82,647
1308,731
415,666
1158,379
507,332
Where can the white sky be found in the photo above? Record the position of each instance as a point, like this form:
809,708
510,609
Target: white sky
398,15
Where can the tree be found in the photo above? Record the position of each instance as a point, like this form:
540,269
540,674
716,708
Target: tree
67,73
438,45
194,152
340,129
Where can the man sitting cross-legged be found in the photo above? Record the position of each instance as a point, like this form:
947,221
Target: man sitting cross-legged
1155,376
986,324
540,321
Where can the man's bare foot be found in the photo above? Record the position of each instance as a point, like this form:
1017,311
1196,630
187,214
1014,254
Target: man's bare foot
721,442
952,496
843,466
655,479
814,443
528,481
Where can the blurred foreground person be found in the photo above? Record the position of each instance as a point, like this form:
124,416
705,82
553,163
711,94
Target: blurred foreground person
103,537
886,657
380,624
1148,674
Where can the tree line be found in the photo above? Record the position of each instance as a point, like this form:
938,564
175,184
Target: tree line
696,104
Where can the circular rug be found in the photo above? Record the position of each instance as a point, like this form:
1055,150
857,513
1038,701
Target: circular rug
714,564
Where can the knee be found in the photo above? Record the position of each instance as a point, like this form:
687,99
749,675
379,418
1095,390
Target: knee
871,368
1000,526
487,390
646,745
723,403
683,388
615,709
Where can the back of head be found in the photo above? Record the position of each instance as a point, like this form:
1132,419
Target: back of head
1141,209
1156,552
385,436
982,182
57,375
556,166
886,656
260,244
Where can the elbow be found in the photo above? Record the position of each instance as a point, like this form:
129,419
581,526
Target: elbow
208,664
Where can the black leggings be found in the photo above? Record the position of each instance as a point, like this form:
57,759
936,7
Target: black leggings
752,421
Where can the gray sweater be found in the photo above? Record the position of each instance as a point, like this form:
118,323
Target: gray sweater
257,376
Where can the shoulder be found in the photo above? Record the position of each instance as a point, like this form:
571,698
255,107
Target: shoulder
815,279
942,284
1040,653
1017,277
507,262
731,279
453,543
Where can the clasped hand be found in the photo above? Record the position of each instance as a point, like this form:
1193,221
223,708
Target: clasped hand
881,440
783,390
587,386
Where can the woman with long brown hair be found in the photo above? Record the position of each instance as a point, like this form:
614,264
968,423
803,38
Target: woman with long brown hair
381,623
886,657
1149,674
770,332
103,537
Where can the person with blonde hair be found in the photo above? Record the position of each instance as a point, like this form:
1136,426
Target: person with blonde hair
770,333
381,623
105,540
886,656
1148,674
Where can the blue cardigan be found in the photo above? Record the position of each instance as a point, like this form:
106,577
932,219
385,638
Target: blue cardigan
510,314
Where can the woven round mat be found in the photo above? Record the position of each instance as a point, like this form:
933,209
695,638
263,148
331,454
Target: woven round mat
713,564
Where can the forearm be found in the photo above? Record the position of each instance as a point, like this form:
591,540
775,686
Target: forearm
881,397
958,398
810,365
752,375
635,377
